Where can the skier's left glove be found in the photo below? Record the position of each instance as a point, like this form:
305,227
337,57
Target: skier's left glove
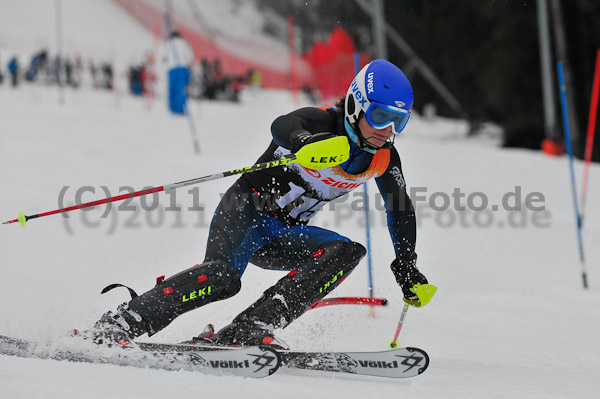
408,277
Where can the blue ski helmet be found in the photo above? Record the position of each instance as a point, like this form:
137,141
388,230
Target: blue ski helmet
383,93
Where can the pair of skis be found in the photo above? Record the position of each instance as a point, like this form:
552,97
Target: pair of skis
253,362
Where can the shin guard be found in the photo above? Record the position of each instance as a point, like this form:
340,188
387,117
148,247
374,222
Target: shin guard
295,293
197,286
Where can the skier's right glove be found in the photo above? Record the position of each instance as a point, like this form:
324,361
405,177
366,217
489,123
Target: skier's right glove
300,138
408,277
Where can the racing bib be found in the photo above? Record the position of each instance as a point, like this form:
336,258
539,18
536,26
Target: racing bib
310,189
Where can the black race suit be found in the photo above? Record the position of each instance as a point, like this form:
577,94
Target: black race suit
263,217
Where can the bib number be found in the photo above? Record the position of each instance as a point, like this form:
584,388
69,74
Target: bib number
300,206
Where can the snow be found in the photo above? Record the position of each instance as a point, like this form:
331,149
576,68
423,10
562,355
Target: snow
94,29
221,23
510,318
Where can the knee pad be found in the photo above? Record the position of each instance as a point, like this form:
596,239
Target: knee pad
331,263
298,290
326,269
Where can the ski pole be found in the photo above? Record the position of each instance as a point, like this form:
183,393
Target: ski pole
424,292
318,155
394,342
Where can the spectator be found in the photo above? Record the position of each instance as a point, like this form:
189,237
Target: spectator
42,57
255,78
196,86
77,72
94,75
31,73
69,71
106,80
136,84
149,76
13,69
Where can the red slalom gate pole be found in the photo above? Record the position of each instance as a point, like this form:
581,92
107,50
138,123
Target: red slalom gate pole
349,301
589,144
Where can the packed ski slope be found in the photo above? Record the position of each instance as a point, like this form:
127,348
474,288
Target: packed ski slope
510,319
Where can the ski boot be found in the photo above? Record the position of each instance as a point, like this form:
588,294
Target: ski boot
113,330
155,309
204,338
249,333
237,336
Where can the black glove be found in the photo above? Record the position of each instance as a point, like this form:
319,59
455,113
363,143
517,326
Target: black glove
300,138
407,275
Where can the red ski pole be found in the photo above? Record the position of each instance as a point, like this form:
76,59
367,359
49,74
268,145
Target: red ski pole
424,292
321,154
22,219
393,343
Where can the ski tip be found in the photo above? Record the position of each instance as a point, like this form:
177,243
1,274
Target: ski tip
274,355
22,219
415,354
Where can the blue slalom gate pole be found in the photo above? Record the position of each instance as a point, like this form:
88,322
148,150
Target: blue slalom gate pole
563,102
367,222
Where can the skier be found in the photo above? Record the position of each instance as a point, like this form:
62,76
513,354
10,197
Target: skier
262,219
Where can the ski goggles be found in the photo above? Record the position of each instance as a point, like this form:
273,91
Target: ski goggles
381,116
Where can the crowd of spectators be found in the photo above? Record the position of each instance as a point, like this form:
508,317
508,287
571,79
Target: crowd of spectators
207,79
46,69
